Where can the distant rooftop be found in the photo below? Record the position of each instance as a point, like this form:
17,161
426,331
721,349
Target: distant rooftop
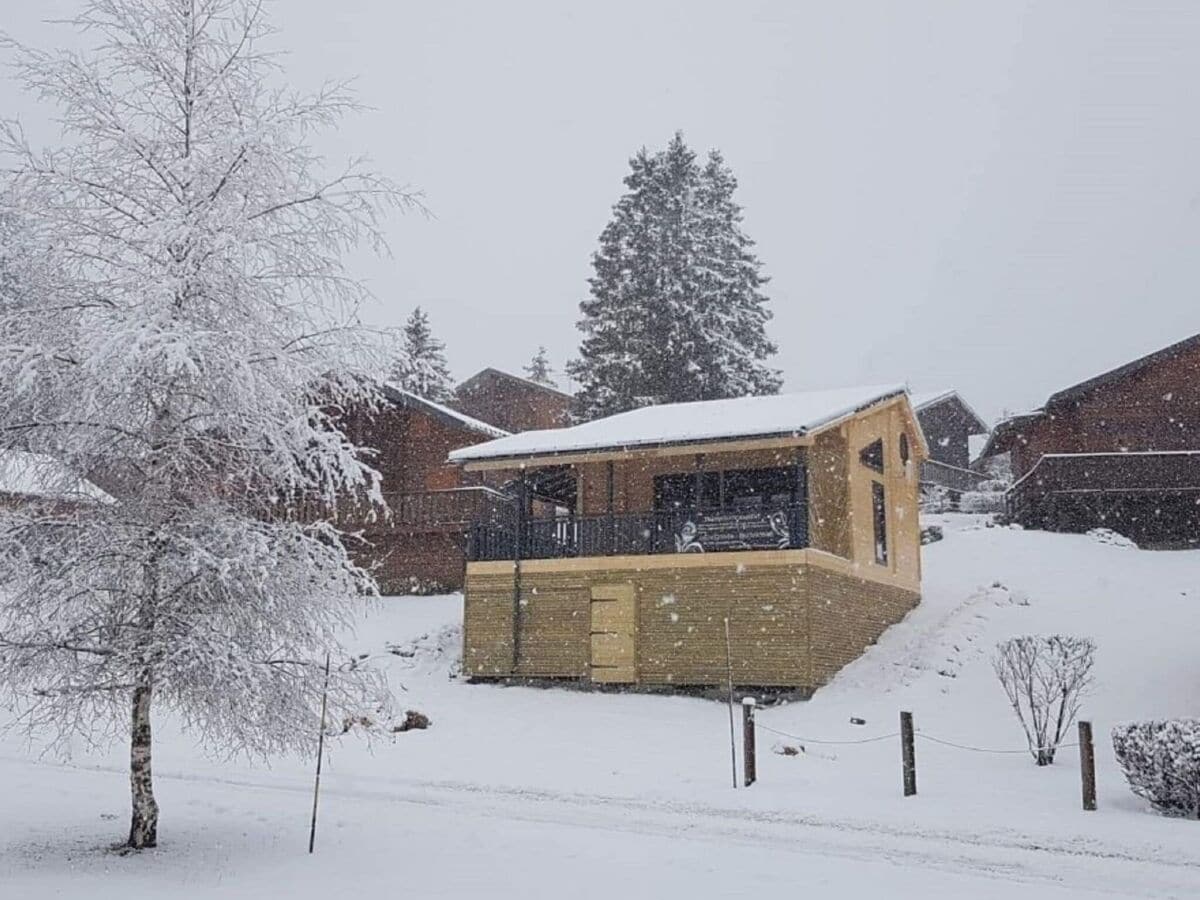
453,416
676,423
28,474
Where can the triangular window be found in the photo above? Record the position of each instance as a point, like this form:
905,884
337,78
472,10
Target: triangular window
871,455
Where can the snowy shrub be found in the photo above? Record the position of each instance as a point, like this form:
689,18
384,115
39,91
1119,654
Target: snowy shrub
981,502
935,499
1161,761
1045,677
1112,538
931,534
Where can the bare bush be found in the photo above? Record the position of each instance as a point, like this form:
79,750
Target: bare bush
1045,677
1161,762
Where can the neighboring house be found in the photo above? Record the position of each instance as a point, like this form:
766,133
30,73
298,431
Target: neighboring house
420,547
511,402
792,517
1121,450
949,424
26,477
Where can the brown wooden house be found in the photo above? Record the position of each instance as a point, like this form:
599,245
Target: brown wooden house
1121,450
793,518
511,402
949,423
420,546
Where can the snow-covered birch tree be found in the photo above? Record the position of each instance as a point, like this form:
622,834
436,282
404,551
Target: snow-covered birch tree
177,323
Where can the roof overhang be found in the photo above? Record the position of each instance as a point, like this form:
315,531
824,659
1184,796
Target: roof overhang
741,443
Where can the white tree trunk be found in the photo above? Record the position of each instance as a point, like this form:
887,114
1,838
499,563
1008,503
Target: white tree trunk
143,829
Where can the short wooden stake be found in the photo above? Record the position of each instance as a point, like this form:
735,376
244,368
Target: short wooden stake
1087,766
908,754
732,739
749,764
312,829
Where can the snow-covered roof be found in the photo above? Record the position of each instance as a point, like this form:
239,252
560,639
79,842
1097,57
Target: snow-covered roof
408,398
676,423
36,475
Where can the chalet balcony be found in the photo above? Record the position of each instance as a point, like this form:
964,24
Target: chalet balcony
665,531
452,509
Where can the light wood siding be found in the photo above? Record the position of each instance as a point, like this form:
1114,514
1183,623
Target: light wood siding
828,494
613,628
901,485
488,624
791,624
847,615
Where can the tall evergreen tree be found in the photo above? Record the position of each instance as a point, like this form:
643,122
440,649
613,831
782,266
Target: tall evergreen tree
539,368
421,366
676,310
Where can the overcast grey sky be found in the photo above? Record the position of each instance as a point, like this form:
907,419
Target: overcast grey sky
1000,197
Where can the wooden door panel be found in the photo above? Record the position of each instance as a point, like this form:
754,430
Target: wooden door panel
612,633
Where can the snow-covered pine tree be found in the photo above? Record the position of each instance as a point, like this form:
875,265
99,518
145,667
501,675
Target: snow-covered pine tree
184,330
539,368
421,365
676,311
732,308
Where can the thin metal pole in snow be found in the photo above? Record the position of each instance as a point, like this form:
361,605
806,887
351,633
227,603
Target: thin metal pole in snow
312,830
732,738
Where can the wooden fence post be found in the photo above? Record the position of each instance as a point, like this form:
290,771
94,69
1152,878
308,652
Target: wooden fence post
908,754
749,764
1087,765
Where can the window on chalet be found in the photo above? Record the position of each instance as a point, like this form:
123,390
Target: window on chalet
684,490
736,489
879,515
905,452
871,455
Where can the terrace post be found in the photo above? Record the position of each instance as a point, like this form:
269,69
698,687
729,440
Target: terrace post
518,552
611,490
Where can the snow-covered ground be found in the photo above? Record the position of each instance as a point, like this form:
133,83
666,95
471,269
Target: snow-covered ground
532,792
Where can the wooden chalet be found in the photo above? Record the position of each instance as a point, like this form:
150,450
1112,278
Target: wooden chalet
637,536
511,402
949,424
420,546
1121,451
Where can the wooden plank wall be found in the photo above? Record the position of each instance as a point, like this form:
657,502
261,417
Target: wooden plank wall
902,493
791,625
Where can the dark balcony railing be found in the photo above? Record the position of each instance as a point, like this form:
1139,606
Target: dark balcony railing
660,531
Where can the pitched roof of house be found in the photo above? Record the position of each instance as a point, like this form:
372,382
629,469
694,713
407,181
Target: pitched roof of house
491,372
441,412
1077,391
1009,429
28,474
682,423
930,399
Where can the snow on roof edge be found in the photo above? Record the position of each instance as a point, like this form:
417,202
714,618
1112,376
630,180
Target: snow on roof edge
467,421
760,417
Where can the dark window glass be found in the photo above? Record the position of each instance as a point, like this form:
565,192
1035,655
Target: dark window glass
872,455
678,491
879,511
760,488
904,451
737,489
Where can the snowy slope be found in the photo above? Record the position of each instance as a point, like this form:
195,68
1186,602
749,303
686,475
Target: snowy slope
530,787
